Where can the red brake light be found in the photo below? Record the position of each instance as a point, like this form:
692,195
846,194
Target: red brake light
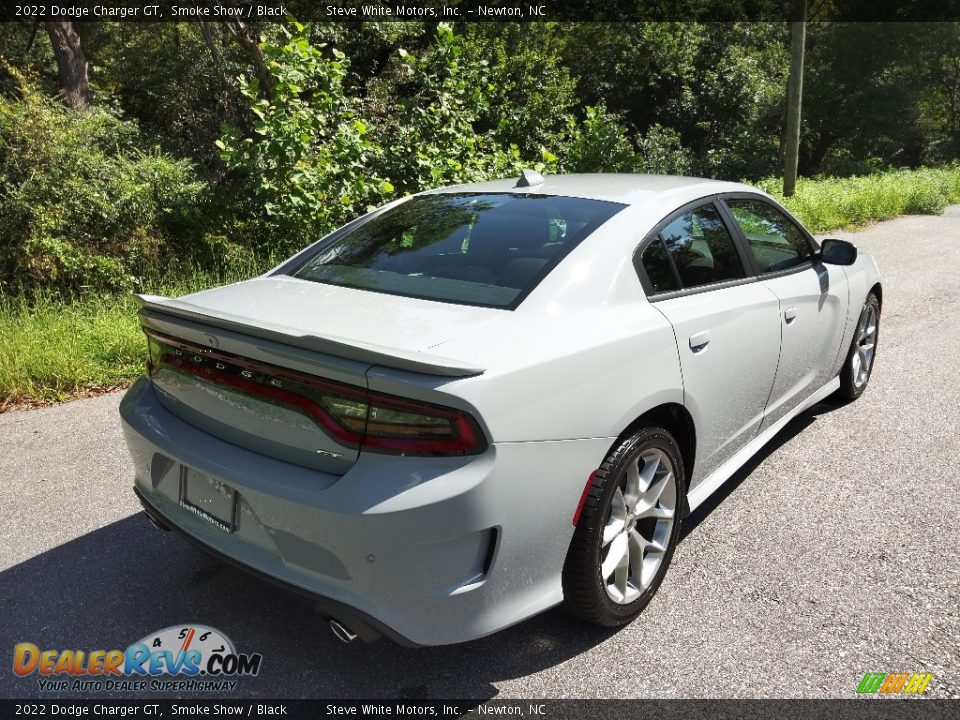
357,418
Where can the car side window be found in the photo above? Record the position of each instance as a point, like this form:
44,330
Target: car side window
775,241
701,248
659,270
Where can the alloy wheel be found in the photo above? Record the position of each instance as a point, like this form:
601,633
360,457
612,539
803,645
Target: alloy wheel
862,361
637,532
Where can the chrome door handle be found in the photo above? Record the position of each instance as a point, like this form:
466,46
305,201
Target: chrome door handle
699,341
789,315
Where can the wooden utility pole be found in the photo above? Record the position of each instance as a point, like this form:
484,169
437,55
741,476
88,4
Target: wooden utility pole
798,36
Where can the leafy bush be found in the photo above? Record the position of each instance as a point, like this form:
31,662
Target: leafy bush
311,161
431,138
529,95
598,143
81,206
308,161
660,151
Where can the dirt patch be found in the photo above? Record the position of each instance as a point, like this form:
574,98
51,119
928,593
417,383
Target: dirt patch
31,403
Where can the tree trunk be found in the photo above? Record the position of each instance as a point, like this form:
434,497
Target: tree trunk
816,151
71,64
248,41
798,32
211,36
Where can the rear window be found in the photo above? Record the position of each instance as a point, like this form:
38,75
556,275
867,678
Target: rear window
469,248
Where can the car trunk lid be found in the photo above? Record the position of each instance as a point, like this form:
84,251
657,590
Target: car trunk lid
280,368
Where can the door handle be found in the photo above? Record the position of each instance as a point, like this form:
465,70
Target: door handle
789,315
699,341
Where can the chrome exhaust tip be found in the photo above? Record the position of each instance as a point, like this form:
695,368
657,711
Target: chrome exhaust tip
341,632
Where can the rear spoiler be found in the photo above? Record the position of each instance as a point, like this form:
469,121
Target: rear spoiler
155,307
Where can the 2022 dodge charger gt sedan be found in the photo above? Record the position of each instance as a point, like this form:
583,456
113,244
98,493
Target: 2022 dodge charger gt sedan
479,402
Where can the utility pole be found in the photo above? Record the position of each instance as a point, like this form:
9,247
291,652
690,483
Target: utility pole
798,36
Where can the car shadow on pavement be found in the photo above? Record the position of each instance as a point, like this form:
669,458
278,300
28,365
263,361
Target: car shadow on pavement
790,431
113,586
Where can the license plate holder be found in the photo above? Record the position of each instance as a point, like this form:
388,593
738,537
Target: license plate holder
208,499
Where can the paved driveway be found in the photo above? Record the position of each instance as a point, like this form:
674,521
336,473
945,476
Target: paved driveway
833,554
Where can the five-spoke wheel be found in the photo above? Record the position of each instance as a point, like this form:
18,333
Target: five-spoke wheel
863,350
627,530
639,526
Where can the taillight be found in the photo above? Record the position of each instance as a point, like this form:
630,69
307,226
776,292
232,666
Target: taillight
396,425
357,418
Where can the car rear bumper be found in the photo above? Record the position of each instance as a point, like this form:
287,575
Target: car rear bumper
366,627
427,551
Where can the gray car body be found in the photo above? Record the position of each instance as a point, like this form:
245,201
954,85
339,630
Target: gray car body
447,549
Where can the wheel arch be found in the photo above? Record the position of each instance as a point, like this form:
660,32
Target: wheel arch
877,290
676,419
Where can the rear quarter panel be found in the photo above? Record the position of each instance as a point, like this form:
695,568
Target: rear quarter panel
564,377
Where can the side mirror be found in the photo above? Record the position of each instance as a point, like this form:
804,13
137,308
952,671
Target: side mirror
838,252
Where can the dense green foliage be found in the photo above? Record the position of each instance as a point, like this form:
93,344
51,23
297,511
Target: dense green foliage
307,159
82,203
218,147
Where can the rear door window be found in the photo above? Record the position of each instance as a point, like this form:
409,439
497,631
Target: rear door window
488,249
701,248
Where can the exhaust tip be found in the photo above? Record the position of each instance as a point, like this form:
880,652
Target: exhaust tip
341,632
156,523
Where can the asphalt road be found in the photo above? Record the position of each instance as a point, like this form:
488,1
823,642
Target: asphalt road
833,554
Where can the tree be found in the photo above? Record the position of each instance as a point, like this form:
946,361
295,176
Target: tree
717,87
307,159
247,38
71,64
866,90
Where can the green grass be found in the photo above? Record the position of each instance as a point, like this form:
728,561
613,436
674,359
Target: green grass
833,203
52,350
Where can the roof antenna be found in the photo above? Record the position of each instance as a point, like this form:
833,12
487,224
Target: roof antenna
529,178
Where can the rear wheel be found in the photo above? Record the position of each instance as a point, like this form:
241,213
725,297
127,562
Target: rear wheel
863,350
627,531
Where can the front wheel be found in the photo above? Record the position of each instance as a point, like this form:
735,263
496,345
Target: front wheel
863,350
627,531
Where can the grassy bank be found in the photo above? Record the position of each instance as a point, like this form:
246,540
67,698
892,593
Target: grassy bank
51,350
834,203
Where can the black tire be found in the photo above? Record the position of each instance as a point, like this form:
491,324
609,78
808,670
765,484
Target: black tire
585,591
849,388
